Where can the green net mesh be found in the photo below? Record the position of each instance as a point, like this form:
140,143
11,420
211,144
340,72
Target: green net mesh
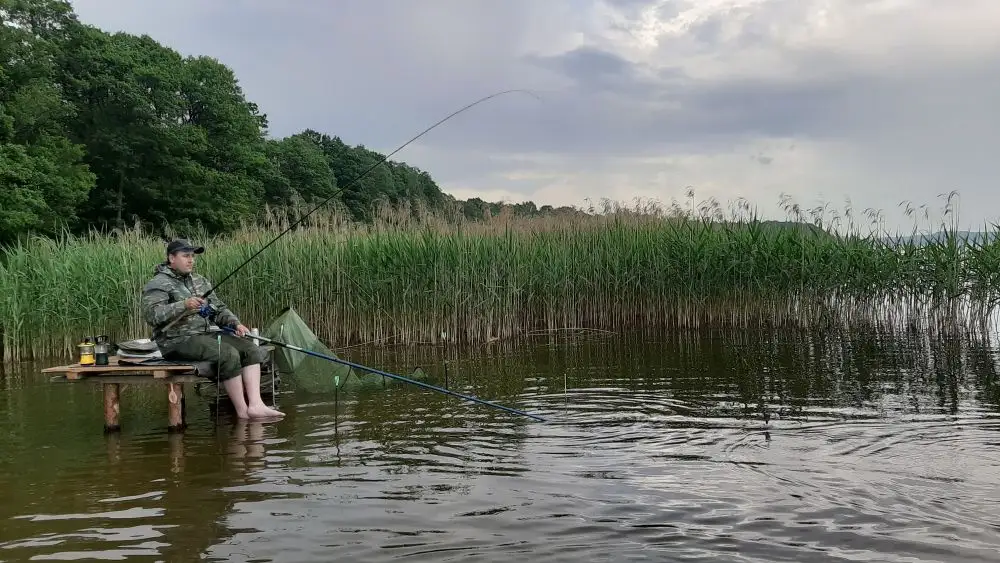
310,373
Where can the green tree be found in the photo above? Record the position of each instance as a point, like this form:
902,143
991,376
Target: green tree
42,175
234,157
305,173
172,140
129,120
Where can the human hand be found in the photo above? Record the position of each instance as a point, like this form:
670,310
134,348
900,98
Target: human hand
241,330
193,303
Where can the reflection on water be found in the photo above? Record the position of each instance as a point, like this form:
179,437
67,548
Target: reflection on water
751,445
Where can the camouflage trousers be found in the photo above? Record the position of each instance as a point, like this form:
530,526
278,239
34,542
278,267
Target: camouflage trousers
230,357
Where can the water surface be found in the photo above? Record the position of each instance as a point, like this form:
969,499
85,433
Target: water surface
691,446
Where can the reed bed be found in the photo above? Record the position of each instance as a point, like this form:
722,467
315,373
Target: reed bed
418,278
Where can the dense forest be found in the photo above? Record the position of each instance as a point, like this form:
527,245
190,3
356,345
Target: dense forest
101,130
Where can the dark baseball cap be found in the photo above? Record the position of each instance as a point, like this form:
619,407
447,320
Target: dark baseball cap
183,245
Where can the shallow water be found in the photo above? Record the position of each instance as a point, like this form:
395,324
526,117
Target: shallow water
730,446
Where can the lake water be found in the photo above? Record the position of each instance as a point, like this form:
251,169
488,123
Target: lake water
690,446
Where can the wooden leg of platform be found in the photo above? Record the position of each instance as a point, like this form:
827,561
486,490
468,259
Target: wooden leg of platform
175,406
111,408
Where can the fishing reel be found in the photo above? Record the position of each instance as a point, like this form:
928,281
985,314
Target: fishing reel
208,311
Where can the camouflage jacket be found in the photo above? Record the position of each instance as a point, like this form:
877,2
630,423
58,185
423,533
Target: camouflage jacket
163,301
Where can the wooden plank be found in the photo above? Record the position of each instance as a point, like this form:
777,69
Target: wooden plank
133,379
119,368
156,371
150,369
114,365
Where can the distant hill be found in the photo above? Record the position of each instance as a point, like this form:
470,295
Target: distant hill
921,239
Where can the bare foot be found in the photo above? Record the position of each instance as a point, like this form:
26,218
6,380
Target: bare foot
263,411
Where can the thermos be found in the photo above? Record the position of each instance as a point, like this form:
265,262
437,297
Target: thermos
101,351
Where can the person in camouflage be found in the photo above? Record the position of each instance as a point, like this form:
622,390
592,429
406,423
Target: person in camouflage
170,305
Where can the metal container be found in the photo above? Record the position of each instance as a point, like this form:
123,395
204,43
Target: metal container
101,351
87,352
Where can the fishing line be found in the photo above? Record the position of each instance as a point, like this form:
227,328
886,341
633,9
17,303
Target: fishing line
362,175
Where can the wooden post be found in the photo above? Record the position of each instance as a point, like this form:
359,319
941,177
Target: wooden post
111,408
175,407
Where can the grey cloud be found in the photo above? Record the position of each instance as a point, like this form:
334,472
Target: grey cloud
708,32
670,9
617,110
664,9
589,67
633,4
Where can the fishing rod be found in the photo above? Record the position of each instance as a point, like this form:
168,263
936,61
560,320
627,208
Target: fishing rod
362,175
387,374
208,311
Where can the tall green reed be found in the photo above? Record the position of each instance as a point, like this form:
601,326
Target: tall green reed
423,278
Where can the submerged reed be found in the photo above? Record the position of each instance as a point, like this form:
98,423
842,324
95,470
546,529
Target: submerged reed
425,279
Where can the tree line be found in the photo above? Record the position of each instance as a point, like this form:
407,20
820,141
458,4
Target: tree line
101,130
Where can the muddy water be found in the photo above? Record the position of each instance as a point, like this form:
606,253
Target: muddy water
711,446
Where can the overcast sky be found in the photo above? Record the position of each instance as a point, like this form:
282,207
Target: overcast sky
878,101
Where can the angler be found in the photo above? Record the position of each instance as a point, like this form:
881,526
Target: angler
186,327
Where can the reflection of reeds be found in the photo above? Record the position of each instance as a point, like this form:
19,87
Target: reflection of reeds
857,371
774,373
422,278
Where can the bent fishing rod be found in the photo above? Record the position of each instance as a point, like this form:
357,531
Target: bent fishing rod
387,374
359,177
206,310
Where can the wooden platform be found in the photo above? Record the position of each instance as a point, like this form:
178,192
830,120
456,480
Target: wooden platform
113,375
